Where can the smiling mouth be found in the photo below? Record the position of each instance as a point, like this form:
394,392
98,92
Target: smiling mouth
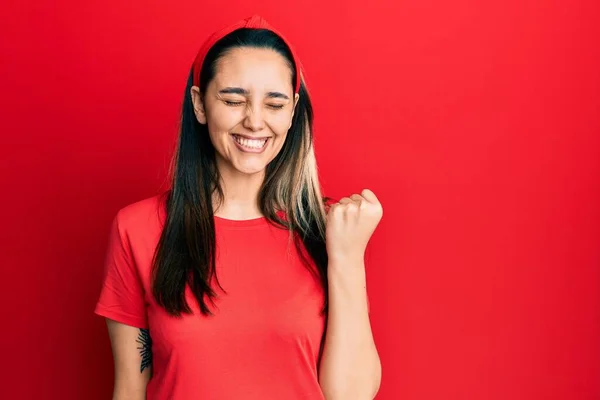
251,144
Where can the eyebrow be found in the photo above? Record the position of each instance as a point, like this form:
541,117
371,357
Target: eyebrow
244,92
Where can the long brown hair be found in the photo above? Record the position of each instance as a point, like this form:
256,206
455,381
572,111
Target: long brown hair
185,254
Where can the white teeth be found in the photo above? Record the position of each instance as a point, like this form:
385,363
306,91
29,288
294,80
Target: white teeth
250,143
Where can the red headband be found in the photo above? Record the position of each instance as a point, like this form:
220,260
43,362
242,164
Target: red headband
255,22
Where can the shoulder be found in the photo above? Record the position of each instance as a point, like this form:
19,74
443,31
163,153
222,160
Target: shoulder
143,216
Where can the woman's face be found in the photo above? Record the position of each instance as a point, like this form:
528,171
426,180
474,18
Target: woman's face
248,107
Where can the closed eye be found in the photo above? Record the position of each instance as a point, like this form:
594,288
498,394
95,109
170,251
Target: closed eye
233,103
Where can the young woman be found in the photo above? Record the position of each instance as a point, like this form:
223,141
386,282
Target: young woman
240,281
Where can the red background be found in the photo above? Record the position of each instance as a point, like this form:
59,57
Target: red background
476,123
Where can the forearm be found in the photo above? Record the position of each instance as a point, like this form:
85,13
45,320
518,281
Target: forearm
350,367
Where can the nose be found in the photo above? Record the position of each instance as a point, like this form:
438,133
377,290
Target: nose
254,120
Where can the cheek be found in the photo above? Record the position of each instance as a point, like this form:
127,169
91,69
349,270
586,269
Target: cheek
221,119
220,123
280,123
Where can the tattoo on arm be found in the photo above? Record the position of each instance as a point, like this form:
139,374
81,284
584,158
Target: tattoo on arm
145,348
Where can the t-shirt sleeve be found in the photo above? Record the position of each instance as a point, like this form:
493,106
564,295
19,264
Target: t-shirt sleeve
122,294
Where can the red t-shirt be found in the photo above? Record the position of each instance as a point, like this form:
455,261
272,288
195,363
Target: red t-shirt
263,340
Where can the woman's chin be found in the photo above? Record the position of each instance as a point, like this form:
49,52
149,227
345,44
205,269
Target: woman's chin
250,168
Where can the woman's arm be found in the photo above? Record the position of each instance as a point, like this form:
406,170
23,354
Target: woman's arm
350,368
132,354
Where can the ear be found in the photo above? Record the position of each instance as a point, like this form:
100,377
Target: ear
198,105
296,98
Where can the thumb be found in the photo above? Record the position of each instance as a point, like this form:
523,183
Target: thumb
369,196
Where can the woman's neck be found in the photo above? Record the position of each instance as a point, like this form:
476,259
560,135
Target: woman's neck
240,196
